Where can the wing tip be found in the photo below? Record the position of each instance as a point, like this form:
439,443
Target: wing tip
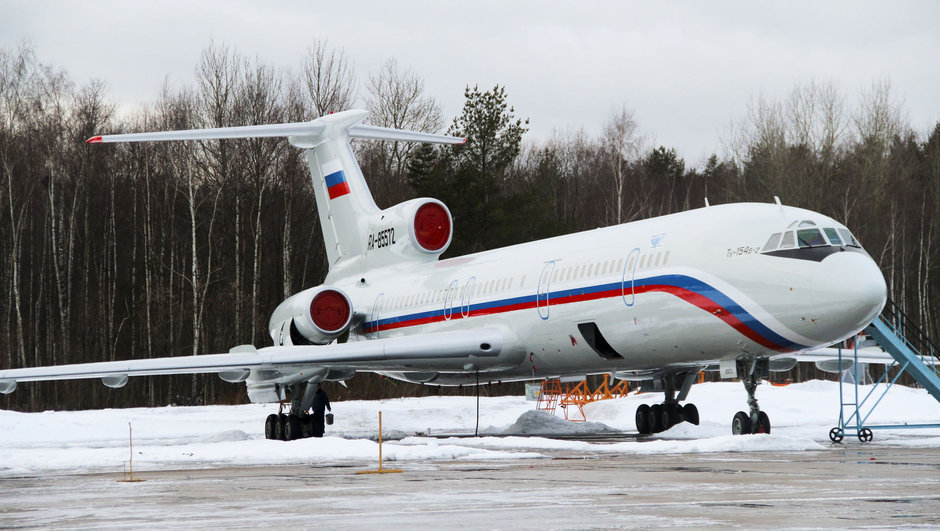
95,140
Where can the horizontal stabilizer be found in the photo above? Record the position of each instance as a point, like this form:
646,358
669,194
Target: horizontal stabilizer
301,130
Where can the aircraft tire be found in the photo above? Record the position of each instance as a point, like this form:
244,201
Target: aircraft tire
741,423
292,428
656,418
269,426
690,412
763,423
279,428
670,415
643,419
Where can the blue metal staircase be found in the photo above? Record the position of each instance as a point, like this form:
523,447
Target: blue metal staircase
913,351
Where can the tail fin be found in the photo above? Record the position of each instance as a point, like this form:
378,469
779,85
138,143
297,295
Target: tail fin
344,201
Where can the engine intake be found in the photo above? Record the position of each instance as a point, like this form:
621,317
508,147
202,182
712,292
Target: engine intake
312,317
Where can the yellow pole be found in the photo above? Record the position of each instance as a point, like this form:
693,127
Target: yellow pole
380,469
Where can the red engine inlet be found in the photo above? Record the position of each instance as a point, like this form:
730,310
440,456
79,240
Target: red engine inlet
432,227
330,311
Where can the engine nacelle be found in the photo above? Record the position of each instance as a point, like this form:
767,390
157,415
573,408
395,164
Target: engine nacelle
312,317
417,229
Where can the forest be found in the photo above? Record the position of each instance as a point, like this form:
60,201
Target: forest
154,249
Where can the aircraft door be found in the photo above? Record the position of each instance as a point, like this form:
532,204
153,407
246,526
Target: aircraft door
450,300
465,300
376,310
628,281
544,289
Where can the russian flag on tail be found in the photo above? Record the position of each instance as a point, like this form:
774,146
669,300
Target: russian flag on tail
336,184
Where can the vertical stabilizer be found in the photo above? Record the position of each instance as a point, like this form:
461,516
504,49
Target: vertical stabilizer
345,205
344,201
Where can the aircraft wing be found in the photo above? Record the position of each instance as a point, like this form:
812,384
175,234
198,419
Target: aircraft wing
873,355
445,351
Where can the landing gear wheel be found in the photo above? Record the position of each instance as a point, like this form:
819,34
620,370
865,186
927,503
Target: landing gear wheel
763,423
690,412
670,415
643,419
306,424
279,427
269,426
836,435
865,435
656,418
741,423
292,428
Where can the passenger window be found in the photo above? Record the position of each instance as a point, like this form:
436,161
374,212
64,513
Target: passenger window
833,236
810,238
657,259
772,243
643,262
665,258
789,241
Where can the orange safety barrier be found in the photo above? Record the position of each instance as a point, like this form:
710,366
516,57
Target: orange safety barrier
573,396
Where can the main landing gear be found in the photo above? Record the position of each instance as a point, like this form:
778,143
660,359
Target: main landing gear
661,417
297,424
756,421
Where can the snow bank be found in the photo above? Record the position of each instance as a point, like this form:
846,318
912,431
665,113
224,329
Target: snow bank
212,436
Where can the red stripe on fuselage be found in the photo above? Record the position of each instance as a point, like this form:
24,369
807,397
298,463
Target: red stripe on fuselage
691,297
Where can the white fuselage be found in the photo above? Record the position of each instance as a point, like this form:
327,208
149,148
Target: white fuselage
685,289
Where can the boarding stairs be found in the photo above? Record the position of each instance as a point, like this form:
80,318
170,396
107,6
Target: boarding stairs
913,351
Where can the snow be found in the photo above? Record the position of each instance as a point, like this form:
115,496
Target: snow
217,436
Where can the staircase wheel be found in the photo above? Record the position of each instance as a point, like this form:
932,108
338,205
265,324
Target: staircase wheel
836,435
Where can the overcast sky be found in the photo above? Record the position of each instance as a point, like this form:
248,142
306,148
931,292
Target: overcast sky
687,70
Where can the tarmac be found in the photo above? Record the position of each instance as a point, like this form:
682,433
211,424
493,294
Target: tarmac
858,486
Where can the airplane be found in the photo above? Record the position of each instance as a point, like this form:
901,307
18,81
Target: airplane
744,288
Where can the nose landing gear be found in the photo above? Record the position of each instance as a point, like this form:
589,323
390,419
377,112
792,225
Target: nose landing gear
756,421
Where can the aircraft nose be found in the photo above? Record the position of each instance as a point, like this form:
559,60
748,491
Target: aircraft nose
849,293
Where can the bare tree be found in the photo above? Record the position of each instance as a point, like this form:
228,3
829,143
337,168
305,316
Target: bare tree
329,78
621,145
396,99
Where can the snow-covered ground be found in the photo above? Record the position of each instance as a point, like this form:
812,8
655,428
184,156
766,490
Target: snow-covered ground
212,436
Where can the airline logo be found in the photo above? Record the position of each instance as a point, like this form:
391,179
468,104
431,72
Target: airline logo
336,184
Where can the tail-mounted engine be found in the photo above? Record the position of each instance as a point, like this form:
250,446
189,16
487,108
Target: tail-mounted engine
418,229
312,317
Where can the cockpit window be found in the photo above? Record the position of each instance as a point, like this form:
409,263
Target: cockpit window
772,243
805,240
810,238
848,239
833,236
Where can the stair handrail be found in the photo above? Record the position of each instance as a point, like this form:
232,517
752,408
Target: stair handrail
913,335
